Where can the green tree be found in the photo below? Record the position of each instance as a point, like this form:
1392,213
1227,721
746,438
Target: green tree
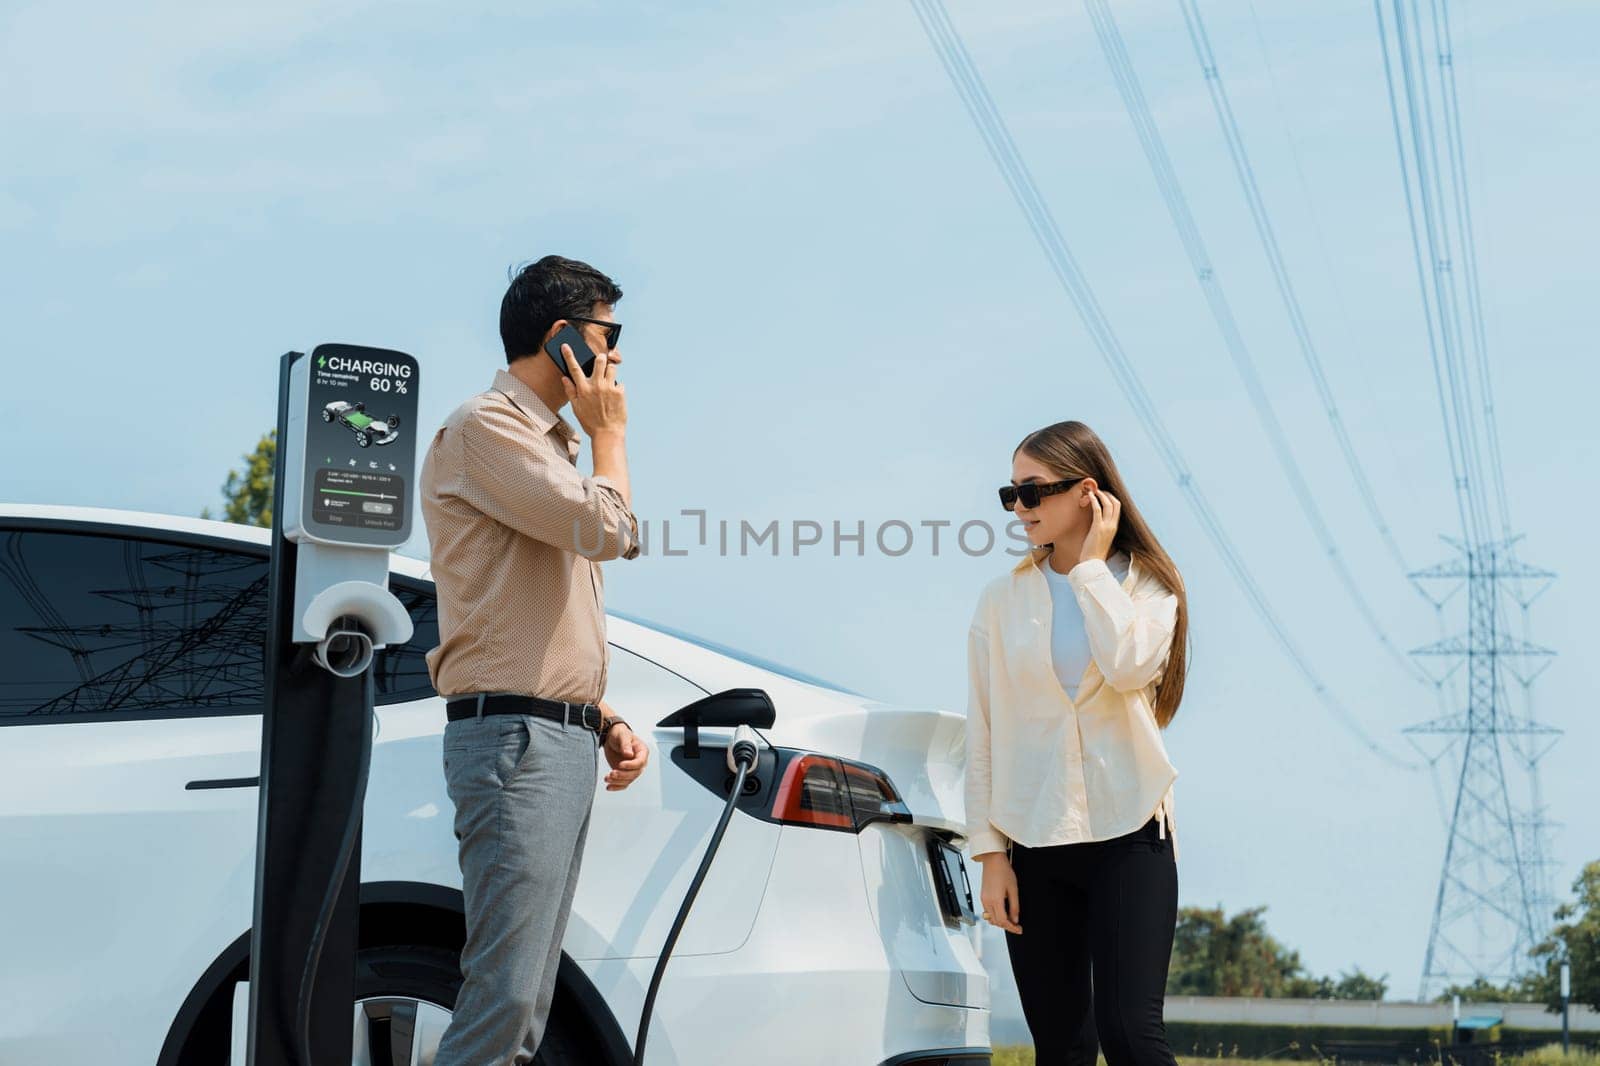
1304,986
1575,939
1359,985
247,494
1482,990
1214,955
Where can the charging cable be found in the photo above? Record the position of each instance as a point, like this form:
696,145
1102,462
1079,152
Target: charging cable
741,758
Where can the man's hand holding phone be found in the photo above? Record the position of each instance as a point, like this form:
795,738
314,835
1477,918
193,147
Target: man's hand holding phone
601,408
598,401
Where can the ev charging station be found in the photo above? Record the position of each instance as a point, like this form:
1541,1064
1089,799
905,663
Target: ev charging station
345,475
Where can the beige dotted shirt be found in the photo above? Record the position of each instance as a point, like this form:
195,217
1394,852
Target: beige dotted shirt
517,536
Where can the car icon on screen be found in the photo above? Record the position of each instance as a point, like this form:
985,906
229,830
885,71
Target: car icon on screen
368,430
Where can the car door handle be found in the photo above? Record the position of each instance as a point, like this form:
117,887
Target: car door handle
223,782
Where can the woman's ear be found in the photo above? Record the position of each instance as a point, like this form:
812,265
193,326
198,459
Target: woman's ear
1086,488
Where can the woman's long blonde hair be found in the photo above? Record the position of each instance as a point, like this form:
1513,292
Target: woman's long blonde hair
1073,450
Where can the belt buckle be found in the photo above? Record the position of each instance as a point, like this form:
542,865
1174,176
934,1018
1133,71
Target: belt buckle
584,719
584,710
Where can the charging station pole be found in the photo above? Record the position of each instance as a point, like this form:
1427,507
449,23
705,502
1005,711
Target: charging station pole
343,477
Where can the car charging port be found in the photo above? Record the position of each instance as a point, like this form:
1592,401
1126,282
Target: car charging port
752,785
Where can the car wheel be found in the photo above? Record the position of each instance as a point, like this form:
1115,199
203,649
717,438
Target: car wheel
394,421
327,415
363,440
404,996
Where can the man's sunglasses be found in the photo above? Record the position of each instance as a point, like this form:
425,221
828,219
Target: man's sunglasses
1029,493
613,330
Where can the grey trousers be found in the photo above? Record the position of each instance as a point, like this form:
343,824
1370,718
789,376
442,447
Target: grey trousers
522,787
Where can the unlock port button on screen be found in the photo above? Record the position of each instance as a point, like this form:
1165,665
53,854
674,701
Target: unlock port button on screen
372,507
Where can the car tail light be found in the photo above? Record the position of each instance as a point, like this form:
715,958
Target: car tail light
831,793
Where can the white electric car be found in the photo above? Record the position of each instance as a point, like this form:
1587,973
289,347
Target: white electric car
368,430
130,727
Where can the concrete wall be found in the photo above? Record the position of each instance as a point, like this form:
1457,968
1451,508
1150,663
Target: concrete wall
1383,1013
1008,1027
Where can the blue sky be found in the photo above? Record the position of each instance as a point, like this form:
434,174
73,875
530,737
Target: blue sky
835,313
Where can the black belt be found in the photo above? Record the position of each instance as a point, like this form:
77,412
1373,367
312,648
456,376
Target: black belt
586,715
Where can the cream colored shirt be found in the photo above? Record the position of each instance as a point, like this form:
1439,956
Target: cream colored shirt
517,535
1043,768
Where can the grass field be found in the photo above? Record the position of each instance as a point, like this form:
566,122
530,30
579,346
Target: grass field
1546,1056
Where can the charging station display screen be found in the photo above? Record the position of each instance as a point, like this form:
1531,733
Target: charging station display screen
365,501
358,464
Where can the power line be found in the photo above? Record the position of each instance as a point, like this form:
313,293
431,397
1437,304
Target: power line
1171,189
1434,328
1341,302
1280,270
970,86
1469,257
1436,224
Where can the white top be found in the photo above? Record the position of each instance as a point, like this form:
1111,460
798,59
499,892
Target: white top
1045,767
1069,640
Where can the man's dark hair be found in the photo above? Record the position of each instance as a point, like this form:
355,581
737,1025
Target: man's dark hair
545,291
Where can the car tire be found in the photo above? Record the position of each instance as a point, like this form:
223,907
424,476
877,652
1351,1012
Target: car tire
363,440
327,416
419,974
394,421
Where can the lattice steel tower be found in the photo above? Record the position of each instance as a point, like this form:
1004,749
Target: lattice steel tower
1492,903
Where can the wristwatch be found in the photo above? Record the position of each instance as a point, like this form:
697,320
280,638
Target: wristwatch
606,724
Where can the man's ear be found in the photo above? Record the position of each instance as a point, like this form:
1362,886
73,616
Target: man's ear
559,325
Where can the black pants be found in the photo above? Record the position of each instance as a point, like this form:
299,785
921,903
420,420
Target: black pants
1091,962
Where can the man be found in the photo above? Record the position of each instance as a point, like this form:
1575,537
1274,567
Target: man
517,534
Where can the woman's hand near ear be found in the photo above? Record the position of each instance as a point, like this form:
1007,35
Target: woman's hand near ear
1102,527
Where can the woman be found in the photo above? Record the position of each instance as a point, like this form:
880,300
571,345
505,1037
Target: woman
1076,662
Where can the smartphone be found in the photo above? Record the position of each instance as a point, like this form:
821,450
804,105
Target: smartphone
570,336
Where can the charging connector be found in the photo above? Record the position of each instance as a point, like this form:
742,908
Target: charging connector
743,750
347,649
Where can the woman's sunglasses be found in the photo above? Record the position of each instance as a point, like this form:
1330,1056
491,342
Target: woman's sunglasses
1029,493
613,330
